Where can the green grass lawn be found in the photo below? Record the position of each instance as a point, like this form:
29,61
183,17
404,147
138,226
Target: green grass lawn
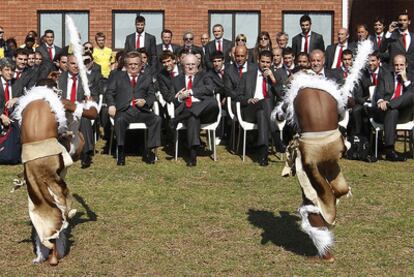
221,218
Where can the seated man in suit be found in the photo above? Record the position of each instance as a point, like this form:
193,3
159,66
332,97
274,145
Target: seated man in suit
395,94
24,77
169,70
317,65
307,41
70,83
219,44
130,96
194,103
257,93
141,39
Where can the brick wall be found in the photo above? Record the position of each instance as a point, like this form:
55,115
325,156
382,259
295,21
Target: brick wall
18,16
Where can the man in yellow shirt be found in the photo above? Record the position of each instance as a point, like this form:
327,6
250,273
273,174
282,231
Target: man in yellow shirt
102,55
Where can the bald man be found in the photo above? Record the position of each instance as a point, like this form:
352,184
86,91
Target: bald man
194,103
333,52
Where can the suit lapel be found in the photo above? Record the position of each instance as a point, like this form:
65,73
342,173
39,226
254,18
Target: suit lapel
64,85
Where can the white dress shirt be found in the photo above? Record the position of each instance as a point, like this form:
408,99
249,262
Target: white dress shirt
69,87
302,47
259,88
337,50
3,82
141,39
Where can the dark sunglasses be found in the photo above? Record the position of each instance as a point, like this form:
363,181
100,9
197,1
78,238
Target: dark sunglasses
188,38
264,38
241,39
1,32
88,48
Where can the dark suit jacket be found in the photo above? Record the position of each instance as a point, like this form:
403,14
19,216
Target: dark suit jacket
120,92
149,45
330,53
231,78
203,88
15,93
315,42
175,47
192,49
211,48
247,87
43,49
80,93
218,82
385,88
394,46
366,82
95,79
26,81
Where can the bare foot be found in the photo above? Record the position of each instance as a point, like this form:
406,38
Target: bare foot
53,257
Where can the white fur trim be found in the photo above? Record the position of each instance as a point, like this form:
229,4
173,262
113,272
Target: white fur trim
78,51
78,111
48,95
303,80
322,238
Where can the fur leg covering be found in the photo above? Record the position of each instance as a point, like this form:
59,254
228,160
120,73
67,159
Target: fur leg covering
322,238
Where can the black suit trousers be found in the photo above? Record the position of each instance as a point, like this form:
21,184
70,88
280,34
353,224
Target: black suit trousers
134,115
85,128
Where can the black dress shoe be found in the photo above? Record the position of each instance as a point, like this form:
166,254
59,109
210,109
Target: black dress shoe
280,147
193,157
86,161
394,157
264,162
121,156
172,124
150,157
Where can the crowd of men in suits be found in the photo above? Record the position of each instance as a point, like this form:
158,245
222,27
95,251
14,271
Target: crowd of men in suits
190,76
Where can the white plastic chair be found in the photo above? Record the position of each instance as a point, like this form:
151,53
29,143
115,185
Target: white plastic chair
246,126
405,127
209,127
134,126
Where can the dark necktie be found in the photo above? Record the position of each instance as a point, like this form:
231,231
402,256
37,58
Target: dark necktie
172,74
379,41
219,46
374,79
306,43
404,39
241,71
18,74
188,100
398,90
49,49
6,97
73,90
133,82
138,41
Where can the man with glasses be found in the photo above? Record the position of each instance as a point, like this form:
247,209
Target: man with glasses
141,39
307,41
194,103
188,43
219,44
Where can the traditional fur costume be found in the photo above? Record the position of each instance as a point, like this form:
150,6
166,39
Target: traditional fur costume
314,156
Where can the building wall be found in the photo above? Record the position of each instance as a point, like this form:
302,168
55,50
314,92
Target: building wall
18,16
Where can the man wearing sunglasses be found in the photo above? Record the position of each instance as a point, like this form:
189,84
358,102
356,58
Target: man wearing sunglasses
307,41
219,44
188,44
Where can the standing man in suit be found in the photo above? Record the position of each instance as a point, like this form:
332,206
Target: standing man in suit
48,49
395,94
307,41
194,103
277,58
141,39
333,53
188,43
219,44
130,96
378,37
72,90
399,41
205,38
166,45
257,91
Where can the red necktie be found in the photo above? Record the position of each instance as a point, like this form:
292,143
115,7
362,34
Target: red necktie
404,41
172,73
6,97
50,53
18,73
374,79
264,87
188,100
138,41
219,46
345,73
306,44
379,41
338,63
73,90
398,90
133,82
241,71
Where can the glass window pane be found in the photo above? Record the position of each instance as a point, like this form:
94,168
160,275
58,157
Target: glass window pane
248,24
225,19
52,21
153,24
81,21
124,25
321,23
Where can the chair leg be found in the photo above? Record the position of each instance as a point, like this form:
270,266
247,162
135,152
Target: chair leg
411,143
238,140
233,135
111,141
214,145
209,140
244,144
376,143
176,144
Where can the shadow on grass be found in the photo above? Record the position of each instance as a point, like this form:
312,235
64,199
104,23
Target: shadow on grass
283,231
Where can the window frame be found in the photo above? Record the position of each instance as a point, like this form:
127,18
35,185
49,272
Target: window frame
310,13
137,12
63,12
233,20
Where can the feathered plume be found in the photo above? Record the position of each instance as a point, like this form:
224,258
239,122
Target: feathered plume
364,49
78,51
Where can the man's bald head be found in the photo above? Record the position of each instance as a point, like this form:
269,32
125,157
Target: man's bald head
240,54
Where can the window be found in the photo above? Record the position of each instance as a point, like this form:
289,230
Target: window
124,24
322,23
55,20
235,23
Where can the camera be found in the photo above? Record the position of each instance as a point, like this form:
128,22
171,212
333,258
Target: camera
399,25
